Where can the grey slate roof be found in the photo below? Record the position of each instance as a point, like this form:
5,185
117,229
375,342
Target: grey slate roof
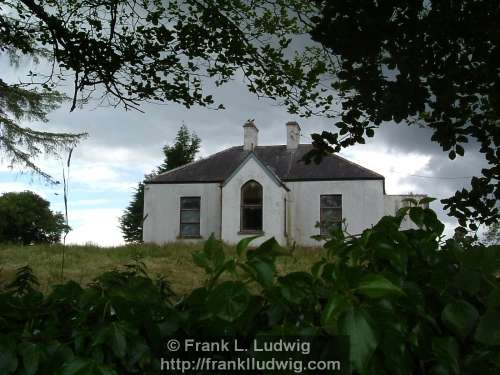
286,164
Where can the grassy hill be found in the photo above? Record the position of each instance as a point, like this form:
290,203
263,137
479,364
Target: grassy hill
84,263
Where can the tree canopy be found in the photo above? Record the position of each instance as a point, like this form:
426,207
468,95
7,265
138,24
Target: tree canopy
426,63
182,152
124,52
26,218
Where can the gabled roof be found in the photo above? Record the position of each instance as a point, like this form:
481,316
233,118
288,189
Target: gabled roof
286,164
266,168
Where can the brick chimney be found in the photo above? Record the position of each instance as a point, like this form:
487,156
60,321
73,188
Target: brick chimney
292,135
250,135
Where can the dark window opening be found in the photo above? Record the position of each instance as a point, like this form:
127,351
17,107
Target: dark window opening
251,207
330,212
190,217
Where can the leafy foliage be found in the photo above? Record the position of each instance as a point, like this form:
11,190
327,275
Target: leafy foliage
126,52
26,218
183,151
156,50
432,64
492,235
408,303
427,63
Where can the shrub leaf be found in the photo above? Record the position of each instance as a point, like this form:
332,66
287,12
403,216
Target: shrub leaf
377,286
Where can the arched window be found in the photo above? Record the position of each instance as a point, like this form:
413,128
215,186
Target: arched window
251,207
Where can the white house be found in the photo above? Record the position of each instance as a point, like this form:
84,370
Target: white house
266,190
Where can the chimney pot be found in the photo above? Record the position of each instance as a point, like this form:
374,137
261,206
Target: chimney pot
250,135
292,135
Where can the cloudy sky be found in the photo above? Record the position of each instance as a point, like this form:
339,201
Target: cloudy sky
124,145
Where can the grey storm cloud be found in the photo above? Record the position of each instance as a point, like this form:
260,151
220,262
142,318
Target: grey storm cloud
146,133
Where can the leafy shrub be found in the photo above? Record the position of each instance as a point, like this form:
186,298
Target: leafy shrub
408,304
26,218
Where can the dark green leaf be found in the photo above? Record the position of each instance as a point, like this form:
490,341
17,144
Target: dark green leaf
460,317
117,339
426,200
264,271
446,352
335,306
243,244
488,329
494,298
269,249
468,280
355,323
417,215
8,359
30,354
228,300
81,366
214,252
201,260
377,286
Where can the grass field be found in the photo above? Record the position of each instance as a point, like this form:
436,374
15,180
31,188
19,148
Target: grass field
84,263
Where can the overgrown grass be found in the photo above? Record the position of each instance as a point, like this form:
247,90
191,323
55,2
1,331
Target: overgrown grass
84,263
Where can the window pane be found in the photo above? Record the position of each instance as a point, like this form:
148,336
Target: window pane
251,218
331,214
190,216
251,193
190,202
331,200
330,218
325,227
190,230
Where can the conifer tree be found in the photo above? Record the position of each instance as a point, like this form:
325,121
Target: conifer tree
183,151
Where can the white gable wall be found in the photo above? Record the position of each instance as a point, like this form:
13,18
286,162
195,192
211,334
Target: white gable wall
273,204
162,207
362,206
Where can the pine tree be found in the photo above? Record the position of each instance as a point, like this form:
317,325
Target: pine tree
20,145
183,151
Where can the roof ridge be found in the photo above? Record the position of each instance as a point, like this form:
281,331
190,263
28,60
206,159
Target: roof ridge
194,162
280,163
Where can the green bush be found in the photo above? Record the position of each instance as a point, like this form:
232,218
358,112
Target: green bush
408,303
26,218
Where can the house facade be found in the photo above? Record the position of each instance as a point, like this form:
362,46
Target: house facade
269,191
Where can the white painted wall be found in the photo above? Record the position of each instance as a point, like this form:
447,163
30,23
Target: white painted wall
273,204
362,206
162,205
